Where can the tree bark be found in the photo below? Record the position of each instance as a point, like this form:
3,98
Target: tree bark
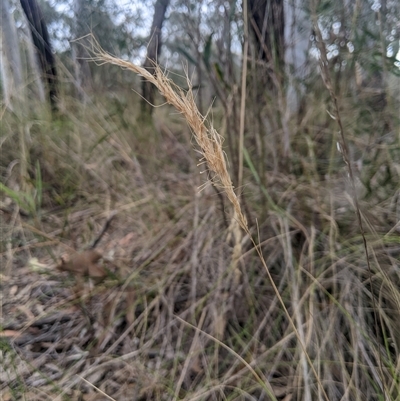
153,51
11,69
41,41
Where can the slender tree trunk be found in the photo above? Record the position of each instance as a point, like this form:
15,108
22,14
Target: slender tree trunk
83,77
34,63
11,59
153,51
41,41
4,74
297,43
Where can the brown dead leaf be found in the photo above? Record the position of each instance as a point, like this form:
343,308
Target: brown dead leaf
128,239
84,264
10,333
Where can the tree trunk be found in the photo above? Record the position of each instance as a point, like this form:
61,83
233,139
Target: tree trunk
11,69
297,43
41,41
4,74
33,61
83,77
153,51
268,22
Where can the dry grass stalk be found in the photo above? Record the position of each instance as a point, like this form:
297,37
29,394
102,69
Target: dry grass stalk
207,138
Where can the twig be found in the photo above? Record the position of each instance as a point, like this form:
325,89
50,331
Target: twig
103,231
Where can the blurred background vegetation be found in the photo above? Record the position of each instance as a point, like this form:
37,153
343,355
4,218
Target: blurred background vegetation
188,310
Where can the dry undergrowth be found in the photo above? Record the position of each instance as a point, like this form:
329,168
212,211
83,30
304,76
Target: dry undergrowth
211,149
187,310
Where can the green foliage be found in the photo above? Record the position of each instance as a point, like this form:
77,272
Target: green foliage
207,51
